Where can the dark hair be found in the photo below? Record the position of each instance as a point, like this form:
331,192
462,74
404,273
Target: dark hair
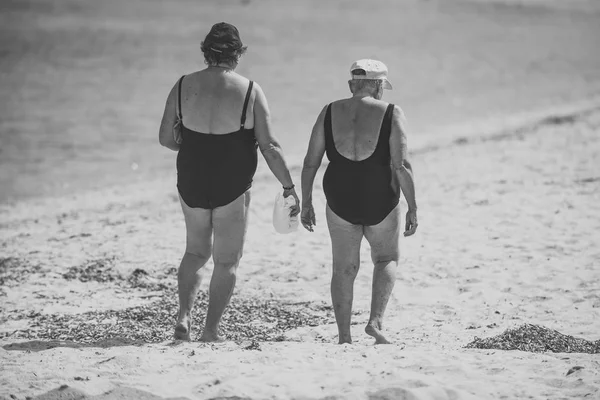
222,45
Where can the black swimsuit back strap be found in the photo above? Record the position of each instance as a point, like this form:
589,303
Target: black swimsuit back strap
382,148
248,93
328,127
386,125
179,97
388,114
332,152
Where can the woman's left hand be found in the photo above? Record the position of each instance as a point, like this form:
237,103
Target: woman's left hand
308,217
295,209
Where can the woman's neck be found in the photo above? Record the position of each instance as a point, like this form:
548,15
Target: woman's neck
224,67
362,95
366,94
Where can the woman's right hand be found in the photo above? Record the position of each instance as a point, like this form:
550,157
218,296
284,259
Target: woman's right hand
308,217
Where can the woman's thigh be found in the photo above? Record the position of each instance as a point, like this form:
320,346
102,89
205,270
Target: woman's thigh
198,227
384,237
230,223
345,240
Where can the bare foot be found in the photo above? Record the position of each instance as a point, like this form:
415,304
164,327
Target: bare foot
211,337
371,330
183,330
344,340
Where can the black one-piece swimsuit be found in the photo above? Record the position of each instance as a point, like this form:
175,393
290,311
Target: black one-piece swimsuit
213,170
360,192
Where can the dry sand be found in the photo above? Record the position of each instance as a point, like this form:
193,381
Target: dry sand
508,235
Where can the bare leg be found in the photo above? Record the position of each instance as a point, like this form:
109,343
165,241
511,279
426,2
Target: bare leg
222,284
197,252
384,277
230,223
189,278
383,239
345,241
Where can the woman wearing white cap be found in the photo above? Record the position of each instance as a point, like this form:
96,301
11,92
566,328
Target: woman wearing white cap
366,147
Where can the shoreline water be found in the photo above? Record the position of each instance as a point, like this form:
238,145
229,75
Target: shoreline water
86,114
456,135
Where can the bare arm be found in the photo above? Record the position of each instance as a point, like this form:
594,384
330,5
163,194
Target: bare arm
312,162
165,133
403,169
269,146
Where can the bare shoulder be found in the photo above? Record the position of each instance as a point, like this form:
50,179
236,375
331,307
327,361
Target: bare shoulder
257,90
194,76
399,113
398,119
172,96
341,107
238,84
192,80
379,103
242,80
373,110
258,96
321,116
375,107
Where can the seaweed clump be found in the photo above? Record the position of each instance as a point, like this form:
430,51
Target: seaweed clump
536,339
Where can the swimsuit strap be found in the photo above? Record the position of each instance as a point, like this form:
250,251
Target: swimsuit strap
243,122
327,123
329,143
179,98
385,131
386,124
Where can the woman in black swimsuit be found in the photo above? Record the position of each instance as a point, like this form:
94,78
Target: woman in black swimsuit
366,148
224,118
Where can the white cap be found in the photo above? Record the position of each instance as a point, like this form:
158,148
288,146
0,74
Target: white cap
374,70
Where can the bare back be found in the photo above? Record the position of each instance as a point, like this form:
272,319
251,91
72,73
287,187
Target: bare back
356,123
212,101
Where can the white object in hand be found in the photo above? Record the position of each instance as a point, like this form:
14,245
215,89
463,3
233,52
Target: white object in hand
282,221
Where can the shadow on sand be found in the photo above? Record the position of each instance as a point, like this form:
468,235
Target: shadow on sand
41,345
66,392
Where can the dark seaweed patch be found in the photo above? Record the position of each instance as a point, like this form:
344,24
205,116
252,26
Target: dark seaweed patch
536,339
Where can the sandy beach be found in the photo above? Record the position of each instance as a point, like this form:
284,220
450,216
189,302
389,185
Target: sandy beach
503,105
508,236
